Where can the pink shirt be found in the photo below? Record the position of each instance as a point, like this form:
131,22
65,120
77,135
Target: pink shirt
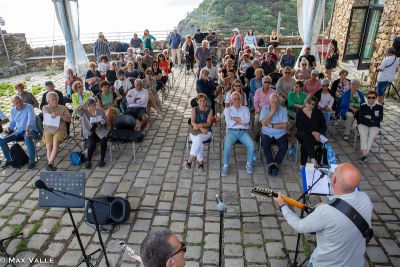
311,89
261,99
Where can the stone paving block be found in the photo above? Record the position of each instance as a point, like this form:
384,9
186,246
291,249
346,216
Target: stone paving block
37,241
376,255
211,241
70,258
234,262
141,225
272,234
193,252
137,237
195,223
255,255
210,257
391,248
232,236
54,250
194,236
274,249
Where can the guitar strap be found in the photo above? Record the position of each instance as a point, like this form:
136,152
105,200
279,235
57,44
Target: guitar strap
353,216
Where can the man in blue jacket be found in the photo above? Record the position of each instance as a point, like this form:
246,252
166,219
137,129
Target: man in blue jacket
175,40
350,104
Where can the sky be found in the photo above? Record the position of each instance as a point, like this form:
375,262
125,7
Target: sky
36,17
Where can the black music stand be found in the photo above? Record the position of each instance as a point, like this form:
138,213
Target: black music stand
68,191
304,198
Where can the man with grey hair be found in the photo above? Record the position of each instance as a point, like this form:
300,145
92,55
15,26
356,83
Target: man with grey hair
386,72
350,104
137,99
201,54
22,127
274,121
162,249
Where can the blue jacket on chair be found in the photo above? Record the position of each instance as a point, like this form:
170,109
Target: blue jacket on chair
345,102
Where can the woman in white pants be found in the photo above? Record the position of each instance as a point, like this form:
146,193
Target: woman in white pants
370,116
201,121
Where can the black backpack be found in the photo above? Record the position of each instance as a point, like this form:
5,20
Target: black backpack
18,156
396,46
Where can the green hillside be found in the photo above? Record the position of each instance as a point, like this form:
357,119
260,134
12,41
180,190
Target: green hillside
259,15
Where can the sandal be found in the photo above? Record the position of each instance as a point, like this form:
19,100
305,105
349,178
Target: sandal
200,167
188,165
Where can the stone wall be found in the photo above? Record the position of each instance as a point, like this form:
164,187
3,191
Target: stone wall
17,47
389,27
341,20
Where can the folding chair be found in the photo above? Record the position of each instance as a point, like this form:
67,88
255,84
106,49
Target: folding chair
123,133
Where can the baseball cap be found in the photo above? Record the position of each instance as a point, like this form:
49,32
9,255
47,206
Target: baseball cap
48,83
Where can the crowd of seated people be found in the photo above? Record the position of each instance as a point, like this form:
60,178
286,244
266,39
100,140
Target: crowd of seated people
260,93
309,101
109,88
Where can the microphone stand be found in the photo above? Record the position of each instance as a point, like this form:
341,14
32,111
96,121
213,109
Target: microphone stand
304,198
86,258
222,209
3,250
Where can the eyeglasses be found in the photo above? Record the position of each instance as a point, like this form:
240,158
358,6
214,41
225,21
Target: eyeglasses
371,97
267,82
183,248
311,103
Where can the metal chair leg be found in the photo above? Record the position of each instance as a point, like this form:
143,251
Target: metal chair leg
134,151
380,143
212,144
296,157
110,148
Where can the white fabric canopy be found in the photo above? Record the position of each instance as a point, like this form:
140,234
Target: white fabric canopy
68,18
309,18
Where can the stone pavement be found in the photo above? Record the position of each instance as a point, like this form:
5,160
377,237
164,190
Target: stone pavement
162,194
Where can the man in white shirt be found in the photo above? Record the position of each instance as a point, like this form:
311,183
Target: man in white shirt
237,119
339,242
122,85
387,70
212,70
137,99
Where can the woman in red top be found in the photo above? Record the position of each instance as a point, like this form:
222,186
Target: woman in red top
163,64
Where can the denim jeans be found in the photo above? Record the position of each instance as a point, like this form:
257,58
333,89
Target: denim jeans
232,136
18,137
327,116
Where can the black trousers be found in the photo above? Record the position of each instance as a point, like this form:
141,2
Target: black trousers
307,147
189,62
91,143
282,144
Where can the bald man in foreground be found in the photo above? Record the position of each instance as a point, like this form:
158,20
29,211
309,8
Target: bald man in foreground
339,242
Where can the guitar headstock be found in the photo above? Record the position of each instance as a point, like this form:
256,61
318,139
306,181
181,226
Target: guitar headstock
263,192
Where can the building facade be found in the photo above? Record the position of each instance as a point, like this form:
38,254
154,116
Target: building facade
364,29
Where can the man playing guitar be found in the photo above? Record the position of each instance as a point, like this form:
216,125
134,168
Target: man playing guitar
339,241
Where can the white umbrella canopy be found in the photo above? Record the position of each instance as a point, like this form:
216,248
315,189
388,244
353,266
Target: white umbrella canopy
68,18
310,14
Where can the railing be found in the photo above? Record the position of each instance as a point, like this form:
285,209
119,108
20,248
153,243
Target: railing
87,38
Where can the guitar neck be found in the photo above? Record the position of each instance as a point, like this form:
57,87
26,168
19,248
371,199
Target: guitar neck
293,202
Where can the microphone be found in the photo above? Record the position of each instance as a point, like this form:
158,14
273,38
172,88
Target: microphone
326,172
42,185
220,205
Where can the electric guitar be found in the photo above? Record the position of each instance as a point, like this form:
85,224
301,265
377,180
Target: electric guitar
265,192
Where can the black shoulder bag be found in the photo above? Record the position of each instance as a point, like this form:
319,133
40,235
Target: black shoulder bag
354,216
